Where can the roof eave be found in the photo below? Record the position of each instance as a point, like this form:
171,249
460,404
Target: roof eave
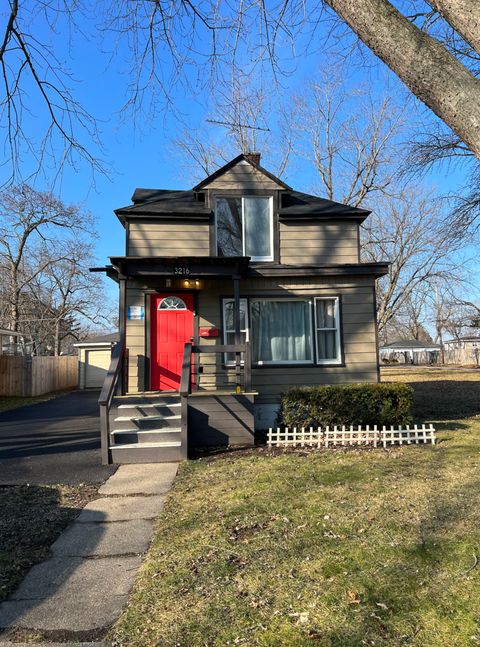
359,215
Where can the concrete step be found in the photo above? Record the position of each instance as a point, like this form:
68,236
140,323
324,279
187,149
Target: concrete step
146,422
145,436
147,453
134,400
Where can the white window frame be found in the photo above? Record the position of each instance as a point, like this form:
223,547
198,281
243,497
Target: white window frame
310,362
256,259
338,359
246,330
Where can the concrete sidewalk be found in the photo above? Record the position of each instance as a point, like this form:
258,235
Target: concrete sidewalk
84,585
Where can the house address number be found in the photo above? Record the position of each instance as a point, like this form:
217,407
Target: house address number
182,271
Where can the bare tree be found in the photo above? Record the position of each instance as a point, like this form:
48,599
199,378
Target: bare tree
245,115
43,258
34,78
408,232
433,73
352,139
72,293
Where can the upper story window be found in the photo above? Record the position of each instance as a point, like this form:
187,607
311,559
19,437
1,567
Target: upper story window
244,227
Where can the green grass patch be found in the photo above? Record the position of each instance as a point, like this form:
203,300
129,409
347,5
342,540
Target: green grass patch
338,548
31,518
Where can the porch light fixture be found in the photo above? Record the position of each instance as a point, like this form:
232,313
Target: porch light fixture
191,283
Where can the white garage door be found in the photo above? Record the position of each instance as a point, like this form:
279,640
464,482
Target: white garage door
96,367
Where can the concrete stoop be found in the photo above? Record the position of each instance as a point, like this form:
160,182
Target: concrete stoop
84,585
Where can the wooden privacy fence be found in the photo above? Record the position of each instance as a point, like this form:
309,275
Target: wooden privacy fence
31,376
348,436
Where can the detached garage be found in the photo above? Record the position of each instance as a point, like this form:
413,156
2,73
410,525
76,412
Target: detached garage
94,359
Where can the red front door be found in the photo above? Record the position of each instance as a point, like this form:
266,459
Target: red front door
172,326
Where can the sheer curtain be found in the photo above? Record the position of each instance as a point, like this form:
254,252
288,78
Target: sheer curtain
327,329
281,331
256,213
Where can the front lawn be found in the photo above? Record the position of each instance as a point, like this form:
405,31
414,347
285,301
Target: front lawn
332,548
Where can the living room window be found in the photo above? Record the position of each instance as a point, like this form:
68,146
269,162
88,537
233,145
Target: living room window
281,331
327,326
244,227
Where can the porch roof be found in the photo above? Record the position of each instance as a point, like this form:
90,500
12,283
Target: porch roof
181,266
226,267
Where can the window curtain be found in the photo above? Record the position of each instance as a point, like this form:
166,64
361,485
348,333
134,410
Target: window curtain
281,331
326,339
257,227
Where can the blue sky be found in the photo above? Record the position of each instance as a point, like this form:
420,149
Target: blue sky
140,154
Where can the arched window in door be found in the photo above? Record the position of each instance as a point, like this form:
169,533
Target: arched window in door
172,303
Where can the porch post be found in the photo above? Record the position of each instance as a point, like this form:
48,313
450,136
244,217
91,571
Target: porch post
122,315
236,296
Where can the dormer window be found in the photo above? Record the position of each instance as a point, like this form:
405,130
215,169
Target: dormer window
244,227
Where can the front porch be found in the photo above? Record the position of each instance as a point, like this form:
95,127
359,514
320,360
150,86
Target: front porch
160,426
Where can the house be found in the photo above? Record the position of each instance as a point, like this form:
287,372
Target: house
13,343
230,293
463,350
94,357
410,351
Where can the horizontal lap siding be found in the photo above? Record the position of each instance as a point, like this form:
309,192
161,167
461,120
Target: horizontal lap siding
358,327
243,176
168,239
318,242
135,331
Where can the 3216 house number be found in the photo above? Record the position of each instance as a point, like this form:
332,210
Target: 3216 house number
182,271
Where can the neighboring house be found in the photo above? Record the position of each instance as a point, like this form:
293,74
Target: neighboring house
268,280
410,351
463,350
94,357
13,343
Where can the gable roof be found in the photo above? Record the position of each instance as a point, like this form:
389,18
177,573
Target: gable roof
240,158
411,344
294,205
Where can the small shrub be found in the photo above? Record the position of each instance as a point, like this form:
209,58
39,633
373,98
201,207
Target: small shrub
352,404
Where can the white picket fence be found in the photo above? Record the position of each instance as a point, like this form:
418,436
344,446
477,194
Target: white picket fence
350,435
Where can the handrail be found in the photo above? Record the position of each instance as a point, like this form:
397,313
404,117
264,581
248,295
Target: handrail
185,388
185,381
106,396
112,374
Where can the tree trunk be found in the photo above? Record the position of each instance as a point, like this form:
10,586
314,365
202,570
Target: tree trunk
434,75
463,16
56,344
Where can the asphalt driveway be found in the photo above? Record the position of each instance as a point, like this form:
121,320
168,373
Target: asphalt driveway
57,441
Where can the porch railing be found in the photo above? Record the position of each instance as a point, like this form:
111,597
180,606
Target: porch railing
186,377
115,383
243,361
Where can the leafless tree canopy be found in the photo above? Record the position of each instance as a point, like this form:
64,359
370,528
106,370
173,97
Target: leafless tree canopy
199,45
46,290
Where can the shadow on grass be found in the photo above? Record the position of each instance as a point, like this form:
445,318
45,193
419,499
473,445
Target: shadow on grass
31,519
446,399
